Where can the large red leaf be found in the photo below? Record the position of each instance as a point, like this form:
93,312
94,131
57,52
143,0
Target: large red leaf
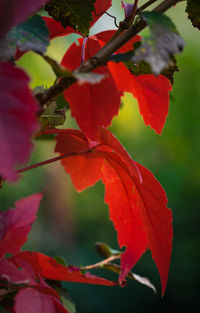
48,268
151,92
15,12
33,301
137,202
105,36
16,224
56,29
17,119
99,102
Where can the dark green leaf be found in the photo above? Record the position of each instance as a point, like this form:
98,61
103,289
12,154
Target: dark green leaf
138,69
30,35
193,10
66,301
45,137
144,68
61,102
170,70
60,260
74,13
164,42
121,57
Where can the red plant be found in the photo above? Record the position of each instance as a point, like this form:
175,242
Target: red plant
136,200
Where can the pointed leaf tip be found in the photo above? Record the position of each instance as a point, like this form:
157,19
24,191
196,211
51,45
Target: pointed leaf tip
138,210
128,8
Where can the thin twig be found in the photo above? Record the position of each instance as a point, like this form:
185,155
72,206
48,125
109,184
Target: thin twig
132,16
61,157
114,17
102,263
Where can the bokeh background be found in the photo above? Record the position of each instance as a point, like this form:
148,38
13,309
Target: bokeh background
69,224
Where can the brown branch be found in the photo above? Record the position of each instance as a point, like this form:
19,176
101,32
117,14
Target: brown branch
145,5
101,57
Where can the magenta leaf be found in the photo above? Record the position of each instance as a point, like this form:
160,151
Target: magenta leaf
17,119
128,8
32,301
16,224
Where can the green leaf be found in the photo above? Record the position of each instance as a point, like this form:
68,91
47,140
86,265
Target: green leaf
30,35
164,42
67,301
68,304
121,57
74,13
143,67
155,20
193,10
60,260
61,102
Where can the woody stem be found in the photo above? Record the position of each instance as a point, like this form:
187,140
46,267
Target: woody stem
103,54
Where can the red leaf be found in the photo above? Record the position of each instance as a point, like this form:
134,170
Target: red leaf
16,224
32,301
33,277
151,92
56,29
137,202
48,268
105,36
17,119
15,12
100,101
101,6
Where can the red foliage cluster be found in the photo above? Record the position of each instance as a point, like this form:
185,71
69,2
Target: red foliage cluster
27,272
137,202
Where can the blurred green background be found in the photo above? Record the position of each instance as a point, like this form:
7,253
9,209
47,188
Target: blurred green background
69,224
